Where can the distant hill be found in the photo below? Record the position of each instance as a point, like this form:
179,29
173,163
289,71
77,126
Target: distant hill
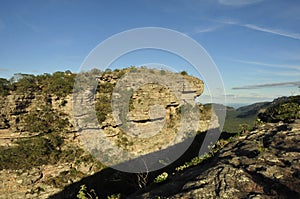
285,109
245,116
252,109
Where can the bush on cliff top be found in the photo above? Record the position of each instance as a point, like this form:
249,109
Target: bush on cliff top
285,109
59,83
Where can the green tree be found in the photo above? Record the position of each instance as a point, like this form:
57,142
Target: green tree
4,87
24,83
183,73
59,83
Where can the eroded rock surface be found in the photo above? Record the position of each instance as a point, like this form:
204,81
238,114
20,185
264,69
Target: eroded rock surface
150,110
69,162
264,163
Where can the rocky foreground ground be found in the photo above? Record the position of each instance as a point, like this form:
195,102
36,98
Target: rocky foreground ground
264,163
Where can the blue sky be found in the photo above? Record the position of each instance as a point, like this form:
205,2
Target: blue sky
254,43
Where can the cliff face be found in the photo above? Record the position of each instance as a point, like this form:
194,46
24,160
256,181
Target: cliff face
263,163
40,147
15,108
142,104
41,152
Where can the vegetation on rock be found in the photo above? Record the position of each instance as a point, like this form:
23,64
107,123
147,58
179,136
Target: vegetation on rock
39,113
45,119
285,109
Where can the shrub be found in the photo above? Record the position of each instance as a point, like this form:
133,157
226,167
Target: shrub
195,161
103,107
162,177
162,72
183,73
282,109
84,194
59,83
4,87
63,102
44,120
24,83
31,152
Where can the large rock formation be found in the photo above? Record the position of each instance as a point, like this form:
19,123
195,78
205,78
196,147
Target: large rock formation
263,163
153,104
42,123
41,152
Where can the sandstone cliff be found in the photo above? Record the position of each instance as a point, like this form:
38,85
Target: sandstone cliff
40,147
261,163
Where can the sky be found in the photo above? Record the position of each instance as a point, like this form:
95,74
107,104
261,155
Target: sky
255,44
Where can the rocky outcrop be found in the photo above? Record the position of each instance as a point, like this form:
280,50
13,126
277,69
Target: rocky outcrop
15,107
12,106
153,107
153,104
263,163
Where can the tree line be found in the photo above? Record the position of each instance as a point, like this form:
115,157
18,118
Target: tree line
58,83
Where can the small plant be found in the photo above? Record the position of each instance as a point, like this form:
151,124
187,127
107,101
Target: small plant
162,177
258,122
243,128
114,196
162,72
183,73
195,161
84,194
64,102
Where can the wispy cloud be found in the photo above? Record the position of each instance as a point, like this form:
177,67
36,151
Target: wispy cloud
206,29
283,66
273,31
279,84
238,2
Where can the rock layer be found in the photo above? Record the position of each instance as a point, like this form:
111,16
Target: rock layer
151,110
46,179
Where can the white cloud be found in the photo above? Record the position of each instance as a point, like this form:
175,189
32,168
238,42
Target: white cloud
238,2
279,32
283,66
277,84
206,29
272,31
